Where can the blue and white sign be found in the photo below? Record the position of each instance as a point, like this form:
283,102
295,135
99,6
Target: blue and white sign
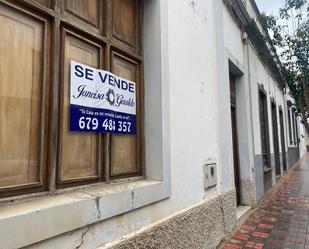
101,101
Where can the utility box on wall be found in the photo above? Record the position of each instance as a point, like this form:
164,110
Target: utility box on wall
210,175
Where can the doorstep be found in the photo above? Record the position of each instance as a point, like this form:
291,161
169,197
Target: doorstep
241,211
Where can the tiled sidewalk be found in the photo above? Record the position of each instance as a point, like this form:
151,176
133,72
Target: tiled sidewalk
282,219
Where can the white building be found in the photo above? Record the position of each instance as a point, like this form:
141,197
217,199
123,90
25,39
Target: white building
215,129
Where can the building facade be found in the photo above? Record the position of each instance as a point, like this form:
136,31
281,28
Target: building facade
216,127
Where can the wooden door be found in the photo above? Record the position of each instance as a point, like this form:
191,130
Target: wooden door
235,139
265,148
275,138
296,135
282,138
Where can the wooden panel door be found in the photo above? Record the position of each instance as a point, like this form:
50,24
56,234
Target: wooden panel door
282,138
236,155
22,77
264,130
275,138
125,21
296,135
79,151
235,139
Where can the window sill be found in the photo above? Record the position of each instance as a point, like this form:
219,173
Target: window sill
53,215
292,146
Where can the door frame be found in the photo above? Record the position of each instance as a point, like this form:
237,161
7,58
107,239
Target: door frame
235,139
274,118
282,138
265,145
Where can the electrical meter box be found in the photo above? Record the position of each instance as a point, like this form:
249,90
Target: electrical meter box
210,175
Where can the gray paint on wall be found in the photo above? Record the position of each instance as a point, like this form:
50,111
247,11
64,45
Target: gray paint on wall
292,157
259,175
258,164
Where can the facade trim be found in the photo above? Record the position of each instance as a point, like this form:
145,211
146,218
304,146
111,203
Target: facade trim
238,10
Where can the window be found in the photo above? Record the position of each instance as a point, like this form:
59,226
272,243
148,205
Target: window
264,129
290,127
293,123
295,131
38,40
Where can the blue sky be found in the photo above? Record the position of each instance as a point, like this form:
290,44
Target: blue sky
269,6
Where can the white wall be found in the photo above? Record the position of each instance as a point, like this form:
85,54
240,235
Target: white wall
197,130
235,53
254,73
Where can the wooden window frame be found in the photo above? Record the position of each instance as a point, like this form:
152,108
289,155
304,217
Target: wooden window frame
57,21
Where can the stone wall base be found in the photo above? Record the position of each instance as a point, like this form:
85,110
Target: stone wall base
248,193
202,226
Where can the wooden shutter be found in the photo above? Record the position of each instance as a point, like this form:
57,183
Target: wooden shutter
124,147
88,12
22,83
34,114
125,25
79,151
